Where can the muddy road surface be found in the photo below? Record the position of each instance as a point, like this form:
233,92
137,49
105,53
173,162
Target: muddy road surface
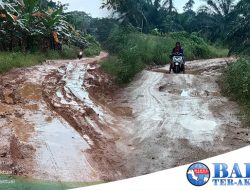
178,119
66,121
51,129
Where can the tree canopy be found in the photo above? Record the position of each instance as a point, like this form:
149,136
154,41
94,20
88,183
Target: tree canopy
216,20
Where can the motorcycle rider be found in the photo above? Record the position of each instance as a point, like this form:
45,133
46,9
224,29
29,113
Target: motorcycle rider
177,51
80,54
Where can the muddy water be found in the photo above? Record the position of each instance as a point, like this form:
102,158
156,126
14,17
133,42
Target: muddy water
74,79
61,150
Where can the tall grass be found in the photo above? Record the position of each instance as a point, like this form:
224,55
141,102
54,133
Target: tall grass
134,51
15,60
235,83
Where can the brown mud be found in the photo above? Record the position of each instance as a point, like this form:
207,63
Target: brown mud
66,121
52,129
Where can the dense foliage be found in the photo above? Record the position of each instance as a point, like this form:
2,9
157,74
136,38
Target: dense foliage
225,22
237,77
134,51
239,35
32,31
235,82
217,20
32,25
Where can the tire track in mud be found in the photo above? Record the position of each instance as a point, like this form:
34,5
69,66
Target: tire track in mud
165,114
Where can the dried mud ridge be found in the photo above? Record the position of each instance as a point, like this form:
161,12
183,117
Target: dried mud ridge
66,120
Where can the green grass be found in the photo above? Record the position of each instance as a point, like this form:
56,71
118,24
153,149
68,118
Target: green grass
68,52
10,60
120,71
235,83
134,51
15,60
20,183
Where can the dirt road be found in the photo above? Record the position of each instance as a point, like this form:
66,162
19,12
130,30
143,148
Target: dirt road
51,128
66,121
178,119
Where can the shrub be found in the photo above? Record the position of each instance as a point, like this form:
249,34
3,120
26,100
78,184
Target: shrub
235,83
93,48
237,80
120,71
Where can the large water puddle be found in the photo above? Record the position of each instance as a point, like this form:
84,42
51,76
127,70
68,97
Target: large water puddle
60,153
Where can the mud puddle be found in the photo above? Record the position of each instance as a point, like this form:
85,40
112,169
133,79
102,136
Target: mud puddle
60,152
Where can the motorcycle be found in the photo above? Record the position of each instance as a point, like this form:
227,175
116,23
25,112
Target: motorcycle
80,55
177,64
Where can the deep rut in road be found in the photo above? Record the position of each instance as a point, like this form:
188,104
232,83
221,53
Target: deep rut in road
66,121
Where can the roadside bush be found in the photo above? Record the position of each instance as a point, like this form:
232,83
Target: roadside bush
235,83
94,48
135,50
68,52
120,71
92,51
112,66
237,80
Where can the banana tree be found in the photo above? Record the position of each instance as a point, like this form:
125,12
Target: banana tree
30,15
8,24
56,26
28,24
